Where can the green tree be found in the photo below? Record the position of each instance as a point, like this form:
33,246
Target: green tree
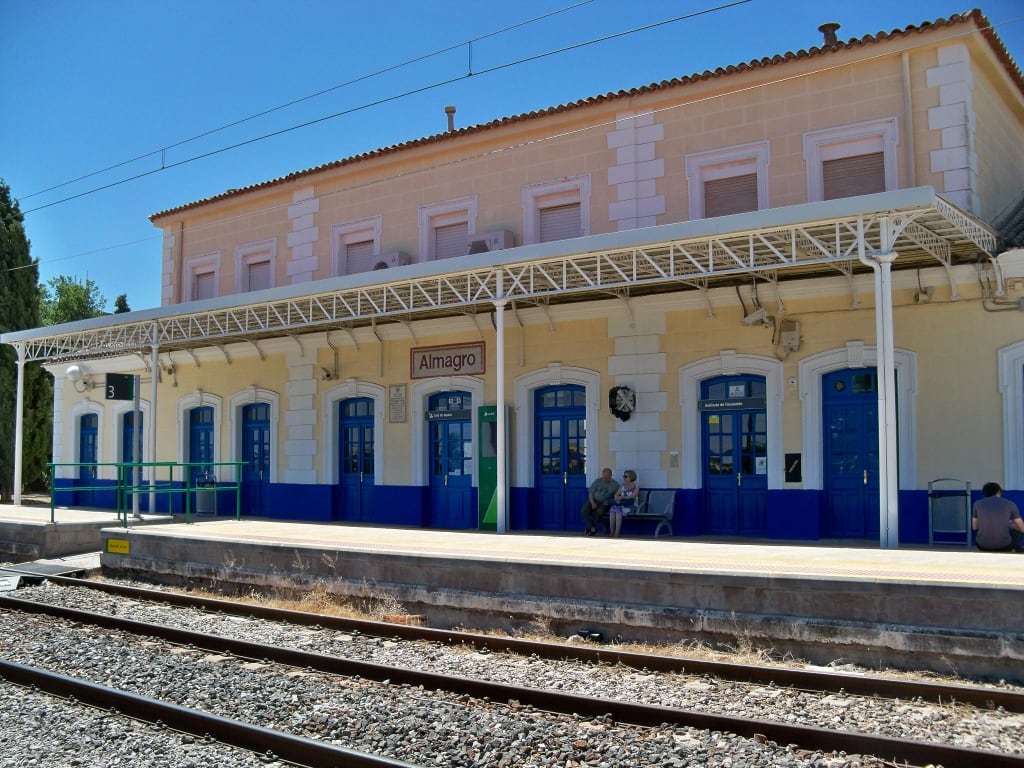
121,304
68,299
19,310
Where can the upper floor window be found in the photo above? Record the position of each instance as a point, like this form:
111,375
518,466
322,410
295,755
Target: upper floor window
254,265
851,160
356,245
556,210
445,228
201,276
729,180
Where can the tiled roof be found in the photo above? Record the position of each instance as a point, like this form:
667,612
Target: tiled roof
975,15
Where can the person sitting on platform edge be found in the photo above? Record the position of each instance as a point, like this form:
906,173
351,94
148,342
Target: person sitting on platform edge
625,501
599,499
996,521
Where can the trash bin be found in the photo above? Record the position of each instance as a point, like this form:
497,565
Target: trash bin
206,496
949,512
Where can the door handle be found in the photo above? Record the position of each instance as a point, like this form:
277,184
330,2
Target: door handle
565,478
360,478
739,478
865,477
446,481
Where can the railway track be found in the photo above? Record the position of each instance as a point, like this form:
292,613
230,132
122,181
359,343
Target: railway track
809,738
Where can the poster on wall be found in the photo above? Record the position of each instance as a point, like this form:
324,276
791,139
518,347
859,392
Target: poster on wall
397,399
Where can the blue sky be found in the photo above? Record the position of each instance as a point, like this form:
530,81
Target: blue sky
90,85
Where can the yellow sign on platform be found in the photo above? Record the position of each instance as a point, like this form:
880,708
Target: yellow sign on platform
118,546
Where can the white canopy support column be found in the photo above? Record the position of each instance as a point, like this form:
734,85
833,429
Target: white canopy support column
888,459
19,426
151,437
502,422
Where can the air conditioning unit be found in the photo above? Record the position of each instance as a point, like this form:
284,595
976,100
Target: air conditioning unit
482,242
388,260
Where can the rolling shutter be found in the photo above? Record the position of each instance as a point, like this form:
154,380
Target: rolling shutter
451,240
560,222
203,286
259,275
733,194
360,257
855,175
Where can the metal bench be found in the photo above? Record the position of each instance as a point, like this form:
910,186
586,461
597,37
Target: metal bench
655,505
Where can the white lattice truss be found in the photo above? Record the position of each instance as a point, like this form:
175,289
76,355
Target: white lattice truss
922,234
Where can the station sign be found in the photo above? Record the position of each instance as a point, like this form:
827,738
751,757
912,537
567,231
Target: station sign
448,360
120,386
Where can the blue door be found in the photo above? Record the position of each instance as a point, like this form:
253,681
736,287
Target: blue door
850,404
88,429
560,430
451,460
735,447
133,475
200,442
256,455
355,475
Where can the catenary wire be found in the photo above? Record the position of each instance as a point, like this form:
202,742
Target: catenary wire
511,147
387,99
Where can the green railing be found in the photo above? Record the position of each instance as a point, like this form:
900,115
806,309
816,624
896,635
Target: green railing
128,482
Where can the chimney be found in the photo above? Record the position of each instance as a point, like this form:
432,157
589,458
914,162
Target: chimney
829,30
450,111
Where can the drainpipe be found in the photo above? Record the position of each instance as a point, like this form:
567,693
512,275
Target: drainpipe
888,486
502,426
908,123
19,431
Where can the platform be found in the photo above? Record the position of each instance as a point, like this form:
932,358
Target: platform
27,533
881,607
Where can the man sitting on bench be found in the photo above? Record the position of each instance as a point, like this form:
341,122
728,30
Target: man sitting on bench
595,508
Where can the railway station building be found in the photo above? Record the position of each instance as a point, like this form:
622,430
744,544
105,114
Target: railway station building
790,291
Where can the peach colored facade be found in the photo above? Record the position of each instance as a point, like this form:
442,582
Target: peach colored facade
940,107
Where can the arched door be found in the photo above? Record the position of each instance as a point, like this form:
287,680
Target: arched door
560,454
850,421
133,475
200,443
734,429
256,455
451,460
88,430
355,474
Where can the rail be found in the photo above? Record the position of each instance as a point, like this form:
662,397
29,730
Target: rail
129,481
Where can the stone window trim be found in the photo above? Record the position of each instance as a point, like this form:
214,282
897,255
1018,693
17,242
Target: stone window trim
433,215
330,405
355,231
254,253
183,407
880,135
193,267
251,396
738,160
548,194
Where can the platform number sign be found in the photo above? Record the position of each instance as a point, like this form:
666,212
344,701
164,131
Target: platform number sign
120,386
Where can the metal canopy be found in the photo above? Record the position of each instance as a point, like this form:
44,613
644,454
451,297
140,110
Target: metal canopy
796,242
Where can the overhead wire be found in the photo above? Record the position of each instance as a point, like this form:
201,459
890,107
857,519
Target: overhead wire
308,97
387,99
521,144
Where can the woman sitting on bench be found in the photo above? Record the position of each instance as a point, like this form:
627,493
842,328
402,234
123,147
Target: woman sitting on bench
625,501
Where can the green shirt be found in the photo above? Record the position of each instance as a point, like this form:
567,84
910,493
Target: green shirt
602,490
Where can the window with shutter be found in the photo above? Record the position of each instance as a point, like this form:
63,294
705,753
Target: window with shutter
734,194
451,240
360,256
857,175
204,286
259,276
560,222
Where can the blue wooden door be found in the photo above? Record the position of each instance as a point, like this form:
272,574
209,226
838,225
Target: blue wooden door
200,442
735,448
88,430
560,454
850,404
132,475
451,460
356,452
256,455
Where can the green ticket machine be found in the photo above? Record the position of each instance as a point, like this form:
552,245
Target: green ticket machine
487,467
